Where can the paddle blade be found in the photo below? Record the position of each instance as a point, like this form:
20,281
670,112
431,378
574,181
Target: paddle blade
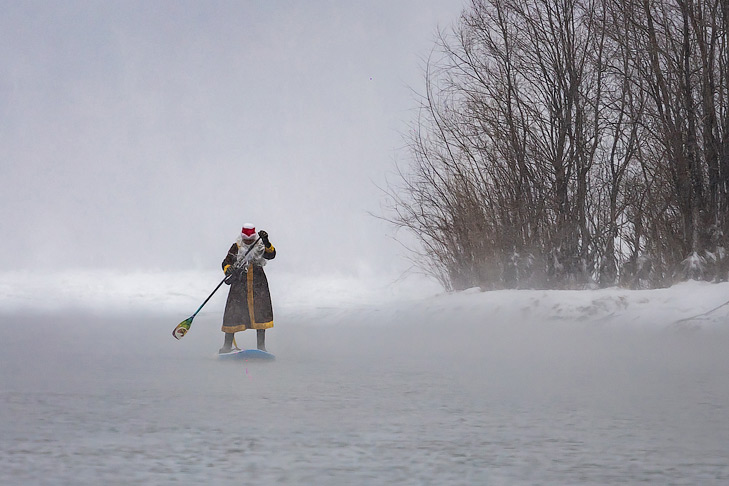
182,328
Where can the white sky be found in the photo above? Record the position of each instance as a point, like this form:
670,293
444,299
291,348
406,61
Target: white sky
142,135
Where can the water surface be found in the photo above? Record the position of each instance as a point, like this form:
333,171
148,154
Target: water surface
89,399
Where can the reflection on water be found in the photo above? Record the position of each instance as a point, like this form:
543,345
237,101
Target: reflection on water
86,399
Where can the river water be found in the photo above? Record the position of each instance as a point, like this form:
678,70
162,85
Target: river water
88,399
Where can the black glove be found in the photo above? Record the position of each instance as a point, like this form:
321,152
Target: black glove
233,274
264,238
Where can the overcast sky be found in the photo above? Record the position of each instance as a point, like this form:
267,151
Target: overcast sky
143,134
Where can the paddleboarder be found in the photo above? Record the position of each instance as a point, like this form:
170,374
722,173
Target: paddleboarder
249,300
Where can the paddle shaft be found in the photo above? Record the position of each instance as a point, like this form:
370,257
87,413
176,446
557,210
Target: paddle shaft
209,297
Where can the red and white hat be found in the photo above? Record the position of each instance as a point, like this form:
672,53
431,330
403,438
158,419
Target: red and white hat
248,231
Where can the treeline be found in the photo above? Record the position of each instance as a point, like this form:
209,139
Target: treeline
565,143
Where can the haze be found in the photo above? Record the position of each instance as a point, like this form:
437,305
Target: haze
518,387
141,135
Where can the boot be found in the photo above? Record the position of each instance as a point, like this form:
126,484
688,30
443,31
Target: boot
227,344
261,339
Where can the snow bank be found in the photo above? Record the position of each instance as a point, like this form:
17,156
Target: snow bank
689,303
685,303
185,291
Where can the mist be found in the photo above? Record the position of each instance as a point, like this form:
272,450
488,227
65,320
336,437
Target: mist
446,394
137,138
142,136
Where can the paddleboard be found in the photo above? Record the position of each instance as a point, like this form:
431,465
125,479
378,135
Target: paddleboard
247,354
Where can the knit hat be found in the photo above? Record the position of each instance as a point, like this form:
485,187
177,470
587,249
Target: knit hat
248,231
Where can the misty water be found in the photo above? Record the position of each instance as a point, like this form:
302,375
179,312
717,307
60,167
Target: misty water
353,399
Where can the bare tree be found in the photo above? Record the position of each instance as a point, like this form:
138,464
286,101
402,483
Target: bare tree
561,142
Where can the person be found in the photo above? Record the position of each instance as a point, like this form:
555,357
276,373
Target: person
249,300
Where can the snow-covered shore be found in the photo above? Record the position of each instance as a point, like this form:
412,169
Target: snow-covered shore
689,303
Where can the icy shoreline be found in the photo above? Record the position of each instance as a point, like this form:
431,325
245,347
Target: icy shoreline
689,303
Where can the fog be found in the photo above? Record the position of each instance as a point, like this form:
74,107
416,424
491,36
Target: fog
513,387
140,135
137,137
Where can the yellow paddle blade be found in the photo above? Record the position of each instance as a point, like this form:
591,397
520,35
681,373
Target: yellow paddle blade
182,328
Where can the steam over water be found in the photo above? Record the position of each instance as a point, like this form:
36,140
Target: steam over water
362,397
